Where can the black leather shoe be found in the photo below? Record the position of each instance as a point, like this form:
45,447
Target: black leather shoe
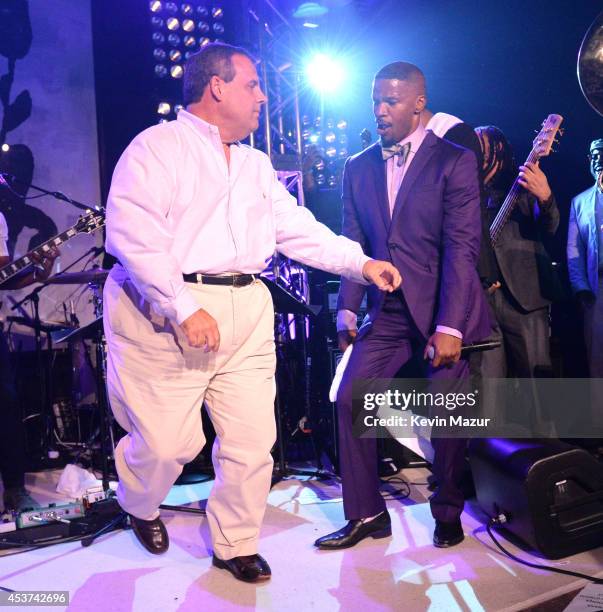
448,534
151,534
249,568
355,531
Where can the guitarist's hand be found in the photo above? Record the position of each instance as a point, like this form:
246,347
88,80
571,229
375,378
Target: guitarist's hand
532,178
44,263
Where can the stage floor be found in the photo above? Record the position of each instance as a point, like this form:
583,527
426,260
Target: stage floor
404,572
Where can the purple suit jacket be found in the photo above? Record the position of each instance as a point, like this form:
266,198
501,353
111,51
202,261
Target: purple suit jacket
433,237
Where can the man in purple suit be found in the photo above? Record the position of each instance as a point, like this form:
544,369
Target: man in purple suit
412,199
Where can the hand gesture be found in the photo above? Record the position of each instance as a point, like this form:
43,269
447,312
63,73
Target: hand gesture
201,330
446,349
382,274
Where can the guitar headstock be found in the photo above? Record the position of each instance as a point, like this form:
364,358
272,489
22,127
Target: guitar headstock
544,140
90,222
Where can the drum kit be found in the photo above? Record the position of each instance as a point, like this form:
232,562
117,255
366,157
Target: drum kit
87,379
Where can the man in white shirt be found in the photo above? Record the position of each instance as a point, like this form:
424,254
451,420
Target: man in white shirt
193,215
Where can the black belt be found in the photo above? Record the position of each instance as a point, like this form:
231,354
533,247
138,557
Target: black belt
232,280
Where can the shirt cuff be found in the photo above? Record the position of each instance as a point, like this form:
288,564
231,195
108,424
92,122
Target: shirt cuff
449,330
355,271
184,306
346,320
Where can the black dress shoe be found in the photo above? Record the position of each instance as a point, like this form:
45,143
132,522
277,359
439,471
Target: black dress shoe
151,534
249,568
448,534
355,531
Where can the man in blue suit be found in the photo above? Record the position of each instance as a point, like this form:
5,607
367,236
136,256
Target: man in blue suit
585,258
412,199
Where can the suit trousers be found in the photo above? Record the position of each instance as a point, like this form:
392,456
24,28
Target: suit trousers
156,386
525,340
380,353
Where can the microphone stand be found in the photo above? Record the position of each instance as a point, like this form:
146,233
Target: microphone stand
44,366
55,194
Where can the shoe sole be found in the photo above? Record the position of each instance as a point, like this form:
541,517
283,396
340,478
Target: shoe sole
376,535
218,563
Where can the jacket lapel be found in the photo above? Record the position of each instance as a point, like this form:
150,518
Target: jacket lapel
414,171
379,180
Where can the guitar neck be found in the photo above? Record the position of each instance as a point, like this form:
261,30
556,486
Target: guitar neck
508,205
20,264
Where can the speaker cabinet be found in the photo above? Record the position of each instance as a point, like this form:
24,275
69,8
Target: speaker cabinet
550,492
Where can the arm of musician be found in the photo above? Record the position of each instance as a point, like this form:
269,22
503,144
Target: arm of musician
535,182
37,273
460,243
576,255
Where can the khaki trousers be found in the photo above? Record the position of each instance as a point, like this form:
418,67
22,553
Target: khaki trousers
156,386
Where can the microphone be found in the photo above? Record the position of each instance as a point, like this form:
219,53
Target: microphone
469,348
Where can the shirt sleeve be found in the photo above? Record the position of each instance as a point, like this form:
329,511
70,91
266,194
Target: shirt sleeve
138,229
3,236
300,236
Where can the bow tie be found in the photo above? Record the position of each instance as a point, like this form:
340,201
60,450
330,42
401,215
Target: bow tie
401,150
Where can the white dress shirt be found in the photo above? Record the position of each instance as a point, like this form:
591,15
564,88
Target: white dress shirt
176,206
3,236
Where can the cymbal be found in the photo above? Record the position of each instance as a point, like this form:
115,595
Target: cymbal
87,332
95,275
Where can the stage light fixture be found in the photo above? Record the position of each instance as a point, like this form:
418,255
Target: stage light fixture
342,124
159,54
5,148
158,38
330,137
172,24
325,74
217,12
171,7
176,71
189,41
161,70
156,22
174,40
188,25
204,41
203,27
309,10
155,6
186,9
202,11
310,25
331,152
175,55
218,28
164,108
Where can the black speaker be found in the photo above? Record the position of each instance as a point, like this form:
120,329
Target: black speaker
550,492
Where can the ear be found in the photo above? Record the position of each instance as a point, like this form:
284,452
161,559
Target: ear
420,103
215,87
